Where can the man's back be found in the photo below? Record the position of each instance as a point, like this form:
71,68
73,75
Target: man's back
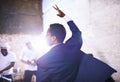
60,64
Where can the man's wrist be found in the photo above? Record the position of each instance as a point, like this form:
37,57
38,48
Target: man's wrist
66,18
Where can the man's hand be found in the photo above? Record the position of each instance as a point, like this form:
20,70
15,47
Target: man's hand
28,62
31,63
60,13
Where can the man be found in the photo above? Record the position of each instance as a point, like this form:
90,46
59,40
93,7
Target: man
65,62
28,57
7,62
60,64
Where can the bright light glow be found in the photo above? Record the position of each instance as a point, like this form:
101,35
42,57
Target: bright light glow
39,43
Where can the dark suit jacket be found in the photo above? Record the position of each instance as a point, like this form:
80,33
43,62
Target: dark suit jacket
61,64
92,69
66,63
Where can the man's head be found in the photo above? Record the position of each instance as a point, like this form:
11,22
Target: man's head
29,45
56,34
4,48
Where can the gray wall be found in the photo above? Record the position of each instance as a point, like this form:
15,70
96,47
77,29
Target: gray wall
20,16
105,24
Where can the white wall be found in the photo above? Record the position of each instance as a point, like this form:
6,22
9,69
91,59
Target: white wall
99,21
105,22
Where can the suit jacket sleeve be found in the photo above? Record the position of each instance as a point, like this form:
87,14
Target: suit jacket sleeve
76,38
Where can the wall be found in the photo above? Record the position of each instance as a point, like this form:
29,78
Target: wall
20,16
104,20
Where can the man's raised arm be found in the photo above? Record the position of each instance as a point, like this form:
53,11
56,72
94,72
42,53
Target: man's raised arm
76,39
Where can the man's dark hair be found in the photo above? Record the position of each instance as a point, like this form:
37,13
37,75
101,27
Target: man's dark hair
58,30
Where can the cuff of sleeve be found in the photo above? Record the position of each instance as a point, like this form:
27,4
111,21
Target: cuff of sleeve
66,18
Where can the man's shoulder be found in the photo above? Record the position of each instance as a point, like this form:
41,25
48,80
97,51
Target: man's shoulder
11,55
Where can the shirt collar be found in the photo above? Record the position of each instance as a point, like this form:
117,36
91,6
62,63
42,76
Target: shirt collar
55,45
